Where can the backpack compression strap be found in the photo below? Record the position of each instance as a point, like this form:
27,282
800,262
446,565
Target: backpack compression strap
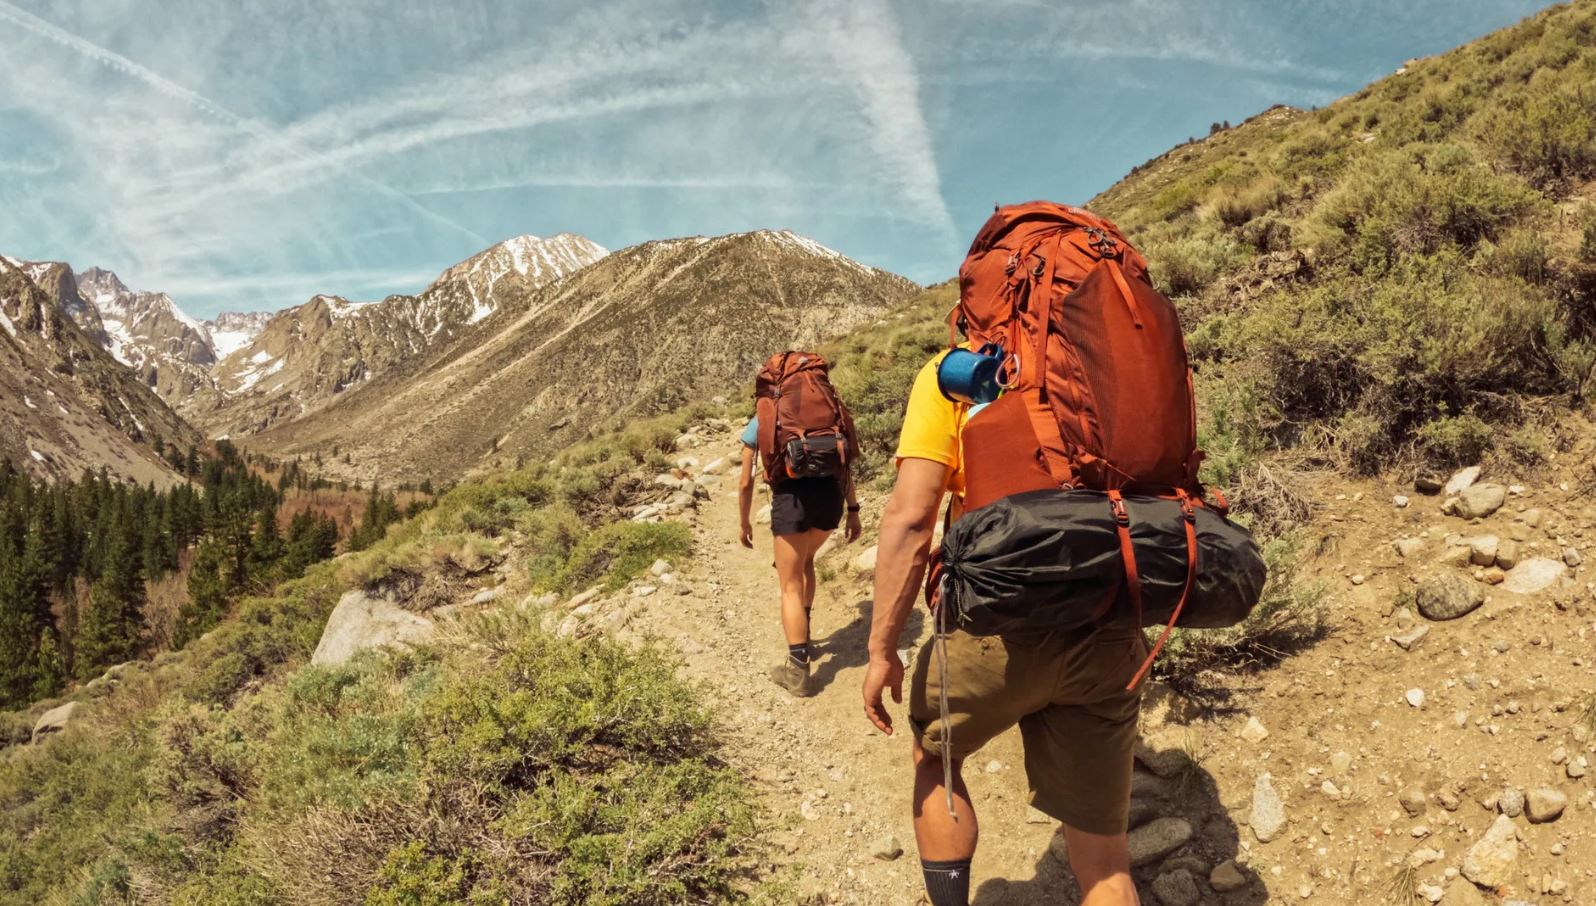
1133,581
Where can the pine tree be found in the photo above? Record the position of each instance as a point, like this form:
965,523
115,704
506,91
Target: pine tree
109,627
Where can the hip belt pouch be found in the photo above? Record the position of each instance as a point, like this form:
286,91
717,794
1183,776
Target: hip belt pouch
1050,560
818,455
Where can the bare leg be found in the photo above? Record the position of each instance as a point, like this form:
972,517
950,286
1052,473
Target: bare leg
794,561
942,837
1102,866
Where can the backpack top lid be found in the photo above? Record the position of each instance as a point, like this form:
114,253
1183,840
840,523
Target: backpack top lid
1004,255
794,397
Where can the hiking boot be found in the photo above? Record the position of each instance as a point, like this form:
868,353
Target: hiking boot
792,677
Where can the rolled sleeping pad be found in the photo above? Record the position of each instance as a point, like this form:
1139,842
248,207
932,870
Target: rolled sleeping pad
1050,560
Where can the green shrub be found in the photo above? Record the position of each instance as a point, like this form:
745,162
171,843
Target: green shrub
1455,440
1187,266
1587,240
1547,131
1419,201
1237,207
614,554
1523,253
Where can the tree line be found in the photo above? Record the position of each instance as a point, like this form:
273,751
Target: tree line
77,559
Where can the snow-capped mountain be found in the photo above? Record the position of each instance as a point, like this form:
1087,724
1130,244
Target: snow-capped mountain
169,350
303,357
65,403
639,332
231,331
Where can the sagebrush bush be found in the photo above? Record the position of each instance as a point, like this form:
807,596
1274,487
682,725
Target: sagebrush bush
1187,265
614,554
1547,130
1238,206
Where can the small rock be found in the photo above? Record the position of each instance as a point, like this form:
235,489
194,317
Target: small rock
1176,888
659,568
1157,839
1330,789
1410,638
1510,802
1400,501
1226,877
886,849
1034,815
1493,575
1489,862
1576,768
1268,817
1545,804
1482,550
1571,557
809,810
1481,500
487,595
643,591
1415,697
1407,547
1428,483
763,516
866,560
1507,554
1357,579
1461,480
1447,596
1534,575
1340,763
1412,800
1254,731
585,597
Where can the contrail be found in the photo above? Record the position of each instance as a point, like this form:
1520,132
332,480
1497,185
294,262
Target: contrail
113,60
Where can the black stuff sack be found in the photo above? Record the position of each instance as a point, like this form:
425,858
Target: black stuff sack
1050,560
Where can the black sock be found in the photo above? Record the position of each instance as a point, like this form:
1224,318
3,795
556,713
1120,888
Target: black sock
947,883
799,654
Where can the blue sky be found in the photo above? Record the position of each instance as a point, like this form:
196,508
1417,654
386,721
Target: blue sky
246,155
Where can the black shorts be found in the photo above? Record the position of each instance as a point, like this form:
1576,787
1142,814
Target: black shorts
800,504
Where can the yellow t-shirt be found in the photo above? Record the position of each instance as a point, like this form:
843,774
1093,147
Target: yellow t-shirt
931,426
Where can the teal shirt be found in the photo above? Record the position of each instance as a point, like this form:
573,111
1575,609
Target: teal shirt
751,434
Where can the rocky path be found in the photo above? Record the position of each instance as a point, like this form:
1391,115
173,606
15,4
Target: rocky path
1403,759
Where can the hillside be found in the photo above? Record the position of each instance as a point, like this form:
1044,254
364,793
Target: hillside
66,404
303,358
643,331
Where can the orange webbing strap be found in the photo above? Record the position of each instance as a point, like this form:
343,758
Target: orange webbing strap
1127,554
1189,511
1118,274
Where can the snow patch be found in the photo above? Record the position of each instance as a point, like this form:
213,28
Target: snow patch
182,315
253,376
6,323
27,402
262,357
36,454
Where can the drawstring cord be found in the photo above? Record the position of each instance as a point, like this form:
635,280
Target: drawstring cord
941,643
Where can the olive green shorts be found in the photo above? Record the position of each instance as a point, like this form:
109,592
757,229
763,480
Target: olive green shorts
1066,690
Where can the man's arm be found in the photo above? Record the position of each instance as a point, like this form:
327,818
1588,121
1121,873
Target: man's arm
902,552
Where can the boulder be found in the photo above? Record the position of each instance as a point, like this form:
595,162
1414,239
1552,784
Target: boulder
1448,596
1533,575
360,622
1481,500
1489,862
54,720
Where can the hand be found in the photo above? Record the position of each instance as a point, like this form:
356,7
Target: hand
882,673
746,536
853,530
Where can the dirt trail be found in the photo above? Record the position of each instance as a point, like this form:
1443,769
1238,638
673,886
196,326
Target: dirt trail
1366,781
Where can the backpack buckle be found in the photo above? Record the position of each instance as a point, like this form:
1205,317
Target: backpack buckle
1121,516
1104,245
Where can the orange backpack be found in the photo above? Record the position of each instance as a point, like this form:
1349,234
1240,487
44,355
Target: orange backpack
1098,386
804,429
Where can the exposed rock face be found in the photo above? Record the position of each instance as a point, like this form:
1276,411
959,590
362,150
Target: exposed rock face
303,358
65,404
169,351
1157,839
641,331
360,622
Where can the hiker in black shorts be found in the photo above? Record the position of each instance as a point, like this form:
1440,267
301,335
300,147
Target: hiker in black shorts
803,514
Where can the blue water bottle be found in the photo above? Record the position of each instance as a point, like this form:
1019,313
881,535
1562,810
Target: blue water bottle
971,377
